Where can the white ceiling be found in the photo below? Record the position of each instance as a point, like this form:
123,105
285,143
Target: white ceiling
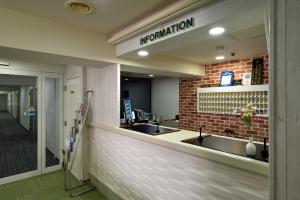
245,31
109,15
245,43
46,58
245,36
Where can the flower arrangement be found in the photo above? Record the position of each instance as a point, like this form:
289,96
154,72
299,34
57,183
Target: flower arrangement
248,115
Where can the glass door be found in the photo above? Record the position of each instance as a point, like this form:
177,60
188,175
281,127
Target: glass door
52,122
20,106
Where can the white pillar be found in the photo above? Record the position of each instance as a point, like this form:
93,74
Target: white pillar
285,115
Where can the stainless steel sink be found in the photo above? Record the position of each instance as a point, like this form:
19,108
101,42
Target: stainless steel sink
151,129
227,145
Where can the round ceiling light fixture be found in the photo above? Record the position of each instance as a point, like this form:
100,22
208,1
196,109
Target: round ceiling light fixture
143,53
216,30
79,6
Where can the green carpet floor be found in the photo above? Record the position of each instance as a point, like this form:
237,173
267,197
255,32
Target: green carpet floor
46,187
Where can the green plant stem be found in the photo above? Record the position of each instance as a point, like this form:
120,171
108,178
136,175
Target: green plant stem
249,131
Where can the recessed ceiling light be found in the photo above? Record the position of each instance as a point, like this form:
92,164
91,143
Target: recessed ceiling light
151,75
143,53
216,30
79,6
220,57
126,79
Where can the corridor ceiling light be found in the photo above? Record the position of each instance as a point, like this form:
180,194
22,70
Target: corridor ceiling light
143,53
220,57
151,75
79,6
216,31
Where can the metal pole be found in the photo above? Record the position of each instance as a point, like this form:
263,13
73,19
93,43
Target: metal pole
68,173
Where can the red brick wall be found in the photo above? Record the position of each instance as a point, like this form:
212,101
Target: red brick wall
190,118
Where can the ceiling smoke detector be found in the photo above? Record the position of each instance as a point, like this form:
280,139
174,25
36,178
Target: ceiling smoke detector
79,6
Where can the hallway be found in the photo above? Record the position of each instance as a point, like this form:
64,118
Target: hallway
18,150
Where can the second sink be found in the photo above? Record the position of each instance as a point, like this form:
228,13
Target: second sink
151,129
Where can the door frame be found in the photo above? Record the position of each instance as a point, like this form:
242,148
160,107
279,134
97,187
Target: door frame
45,75
36,172
41,161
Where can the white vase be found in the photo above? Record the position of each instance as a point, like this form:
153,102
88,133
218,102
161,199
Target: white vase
250,147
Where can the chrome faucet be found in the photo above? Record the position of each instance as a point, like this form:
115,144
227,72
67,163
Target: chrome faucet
157,127
265,152
200,138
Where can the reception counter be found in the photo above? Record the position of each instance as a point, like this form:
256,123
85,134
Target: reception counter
173,141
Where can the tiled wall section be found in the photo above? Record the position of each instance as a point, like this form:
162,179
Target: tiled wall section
212,123
138,170
104,82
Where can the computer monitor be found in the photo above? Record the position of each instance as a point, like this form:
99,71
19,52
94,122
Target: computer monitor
226,78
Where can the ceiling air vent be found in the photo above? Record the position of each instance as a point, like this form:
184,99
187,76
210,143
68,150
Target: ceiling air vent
79,6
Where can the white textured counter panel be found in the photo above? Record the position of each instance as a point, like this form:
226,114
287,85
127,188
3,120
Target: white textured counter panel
142,167
173,141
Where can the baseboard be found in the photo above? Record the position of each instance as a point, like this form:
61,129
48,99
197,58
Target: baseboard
27,130
110,195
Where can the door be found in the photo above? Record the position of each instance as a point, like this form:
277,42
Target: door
31,131
20,150
73,96
52,122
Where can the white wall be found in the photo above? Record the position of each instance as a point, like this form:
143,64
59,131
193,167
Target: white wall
3,102
105,82
24,106
9,103
165,97
15,103
72,71
105,107
47,36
